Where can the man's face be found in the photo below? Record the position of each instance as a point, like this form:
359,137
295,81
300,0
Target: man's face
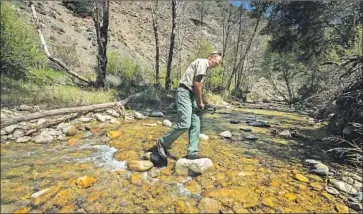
214,61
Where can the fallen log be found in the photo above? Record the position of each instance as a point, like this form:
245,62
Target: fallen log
22,118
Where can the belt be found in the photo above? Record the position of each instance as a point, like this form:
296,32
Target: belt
185,87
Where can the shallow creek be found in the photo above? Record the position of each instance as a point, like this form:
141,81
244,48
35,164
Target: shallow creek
248,176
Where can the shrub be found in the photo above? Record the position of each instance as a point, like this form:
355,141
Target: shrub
19,44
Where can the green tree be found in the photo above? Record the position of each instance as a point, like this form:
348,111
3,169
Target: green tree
19,46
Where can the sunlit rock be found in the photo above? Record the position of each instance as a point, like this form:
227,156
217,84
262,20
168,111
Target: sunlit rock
226,134
167,123
85,181
184,166
139,165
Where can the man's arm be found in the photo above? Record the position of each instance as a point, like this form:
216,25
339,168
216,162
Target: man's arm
197,87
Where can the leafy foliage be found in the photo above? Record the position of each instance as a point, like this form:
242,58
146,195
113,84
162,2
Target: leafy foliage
19,46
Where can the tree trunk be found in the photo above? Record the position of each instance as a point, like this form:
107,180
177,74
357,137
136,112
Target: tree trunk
13,120
171,47
154,13
101,25
38,26
225,36
247,48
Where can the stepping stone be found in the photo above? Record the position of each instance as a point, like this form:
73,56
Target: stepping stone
246,129
234,121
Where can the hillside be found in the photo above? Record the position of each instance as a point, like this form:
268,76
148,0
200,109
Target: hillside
131,32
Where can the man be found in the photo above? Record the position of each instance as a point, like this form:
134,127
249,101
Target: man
189,103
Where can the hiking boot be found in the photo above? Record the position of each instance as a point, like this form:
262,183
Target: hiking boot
195,156
162,150
157,160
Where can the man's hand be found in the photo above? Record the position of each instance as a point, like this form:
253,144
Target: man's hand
201,106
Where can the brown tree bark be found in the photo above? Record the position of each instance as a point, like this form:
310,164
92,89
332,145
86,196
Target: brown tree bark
101,22
154,13
38,26
171,47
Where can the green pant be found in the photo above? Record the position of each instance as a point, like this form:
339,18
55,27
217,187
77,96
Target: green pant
188,119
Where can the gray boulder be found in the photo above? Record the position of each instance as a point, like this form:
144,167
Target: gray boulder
189,167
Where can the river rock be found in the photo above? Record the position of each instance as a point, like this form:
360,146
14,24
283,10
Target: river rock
311,162
332,190
344,187
18,133
140,165
100,118
167,123
262,124
41,121
43,137
208,205
147,156
108,117
320,169
138,116
286,134
85,181
10,129
157,114
69,130
3,132
226,134
358,185
85,119
203,137
113,113
251,137
356,206
301,178
348,180
24,108
23,139
42,196
234,121
246,129
184,166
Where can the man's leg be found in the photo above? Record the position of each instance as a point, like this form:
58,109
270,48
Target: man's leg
184,110
194,131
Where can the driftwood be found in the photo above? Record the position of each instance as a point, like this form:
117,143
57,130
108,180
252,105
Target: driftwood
17,119
38,26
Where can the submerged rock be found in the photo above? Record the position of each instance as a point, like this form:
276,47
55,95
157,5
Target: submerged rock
262,124
286,134
341,208
184,166
301,178
209,205
251,137
85,181
246,129
42,196
234,121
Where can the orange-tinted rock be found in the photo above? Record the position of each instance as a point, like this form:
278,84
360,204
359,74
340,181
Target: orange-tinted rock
184,207
208,205
290,196
24,210
85,181
135,178
341,208
301,178
267,202
246,196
